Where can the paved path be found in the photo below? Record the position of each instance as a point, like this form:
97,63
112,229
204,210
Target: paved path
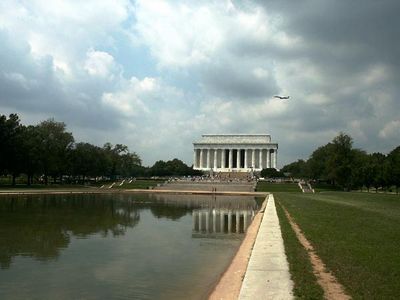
267,275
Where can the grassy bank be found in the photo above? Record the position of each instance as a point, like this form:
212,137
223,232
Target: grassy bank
40,186
138,184
325,187
263,186
305,282
357,236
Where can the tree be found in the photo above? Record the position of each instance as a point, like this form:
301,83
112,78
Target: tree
10,145
55,144
271,173
83,159
30,150
394,167
47,149
173,167
340,160
120,161
338,163
297,169
359,169
318,162
379,171
159,168
128,163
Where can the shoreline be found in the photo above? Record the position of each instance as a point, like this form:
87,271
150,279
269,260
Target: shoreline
229,284
125,191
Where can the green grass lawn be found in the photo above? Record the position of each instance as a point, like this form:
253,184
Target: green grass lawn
263,186
138,184
357,235
39,186
324,187
305,282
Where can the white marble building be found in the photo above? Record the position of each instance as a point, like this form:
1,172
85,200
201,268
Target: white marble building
235,152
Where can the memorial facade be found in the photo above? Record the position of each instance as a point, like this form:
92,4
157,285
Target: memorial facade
235,152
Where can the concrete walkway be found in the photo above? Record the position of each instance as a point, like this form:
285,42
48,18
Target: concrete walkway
267,275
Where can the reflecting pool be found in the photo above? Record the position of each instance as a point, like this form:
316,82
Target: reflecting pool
118,246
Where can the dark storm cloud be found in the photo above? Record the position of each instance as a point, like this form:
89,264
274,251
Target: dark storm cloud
338,60
238,81
355,47
31,85
366,29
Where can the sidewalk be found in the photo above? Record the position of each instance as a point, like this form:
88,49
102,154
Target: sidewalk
267,275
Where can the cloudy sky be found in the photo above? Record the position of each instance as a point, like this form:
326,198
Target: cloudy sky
155,74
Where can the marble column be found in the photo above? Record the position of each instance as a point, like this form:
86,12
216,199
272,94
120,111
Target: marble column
223,158
260,160
215,159
237,222
238,159
253,158
208,158
201,158
275,157
268,159
194,218
222,220
207,221
245,220
200,221
214,220
230,158
195,159
246,152
229,221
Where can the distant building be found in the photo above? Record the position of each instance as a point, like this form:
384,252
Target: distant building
235,152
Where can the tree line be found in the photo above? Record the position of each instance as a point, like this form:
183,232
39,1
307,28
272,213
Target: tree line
338,163
47,151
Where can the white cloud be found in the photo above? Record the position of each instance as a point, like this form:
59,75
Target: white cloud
357,131
318,99
99,63
177,34
261,73
131,100
63,30
195,67
19,79
143,97
375,74
390,130
181,35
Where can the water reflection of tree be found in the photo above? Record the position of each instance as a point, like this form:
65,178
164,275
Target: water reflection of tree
160,210
169,212
40,226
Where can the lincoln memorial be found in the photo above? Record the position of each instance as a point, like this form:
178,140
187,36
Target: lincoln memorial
235,152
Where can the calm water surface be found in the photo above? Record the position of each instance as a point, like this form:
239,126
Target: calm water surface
117,246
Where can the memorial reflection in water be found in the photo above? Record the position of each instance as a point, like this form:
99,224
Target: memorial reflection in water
118,238
215,216
220,221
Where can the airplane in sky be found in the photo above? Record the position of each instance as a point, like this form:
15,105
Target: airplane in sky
281,97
